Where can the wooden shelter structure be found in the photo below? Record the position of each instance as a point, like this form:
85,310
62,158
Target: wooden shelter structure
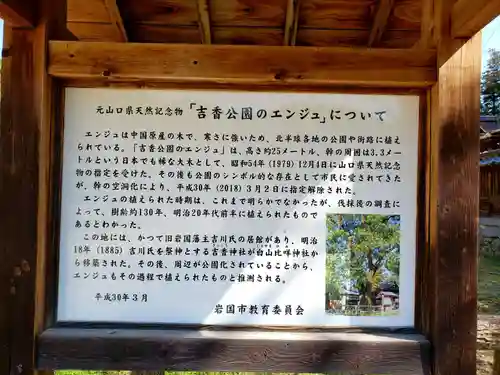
490,165
428,47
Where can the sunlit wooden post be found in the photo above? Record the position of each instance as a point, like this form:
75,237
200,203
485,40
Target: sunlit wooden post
454,191
454,233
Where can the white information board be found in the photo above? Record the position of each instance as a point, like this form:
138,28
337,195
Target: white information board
238,208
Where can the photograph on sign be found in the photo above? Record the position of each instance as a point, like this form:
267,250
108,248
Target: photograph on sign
362,264
238,208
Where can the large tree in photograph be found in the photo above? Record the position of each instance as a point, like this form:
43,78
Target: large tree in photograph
362,252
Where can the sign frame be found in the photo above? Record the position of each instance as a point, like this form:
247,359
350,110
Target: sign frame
228,348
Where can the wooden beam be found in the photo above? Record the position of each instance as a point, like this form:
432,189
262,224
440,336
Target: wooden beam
19,13
181,350
116,18
454,211
384,9
470,16
204,21
242,64
95,32
291,22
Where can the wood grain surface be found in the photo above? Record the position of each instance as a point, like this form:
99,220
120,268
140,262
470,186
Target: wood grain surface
242,64
179,350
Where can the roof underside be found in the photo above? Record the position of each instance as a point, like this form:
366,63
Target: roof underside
251,22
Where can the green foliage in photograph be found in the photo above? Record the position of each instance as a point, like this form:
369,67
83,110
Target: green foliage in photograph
362,252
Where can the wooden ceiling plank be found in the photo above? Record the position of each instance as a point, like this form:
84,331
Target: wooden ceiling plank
95,32
204,21
384,9
18,13
145,33
248,36
248,13
245,65
291,22
116,18
87,11
160,12
357,15
469,16
355,38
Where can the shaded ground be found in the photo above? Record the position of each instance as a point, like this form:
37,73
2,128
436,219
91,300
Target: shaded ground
489,283
488,337
488,291
484,362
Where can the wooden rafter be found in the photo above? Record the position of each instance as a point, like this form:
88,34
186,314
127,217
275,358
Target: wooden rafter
242,64
116,18
291,22
426,25
204,21
384,9
470,16
18,13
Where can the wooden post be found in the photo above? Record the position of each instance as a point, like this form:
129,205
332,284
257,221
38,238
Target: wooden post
454,210
18,201
496,362
25,128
